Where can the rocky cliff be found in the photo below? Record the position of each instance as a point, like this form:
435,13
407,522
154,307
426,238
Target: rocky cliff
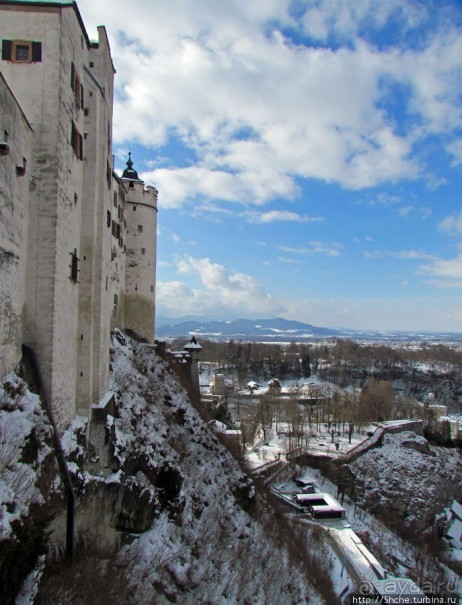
164,514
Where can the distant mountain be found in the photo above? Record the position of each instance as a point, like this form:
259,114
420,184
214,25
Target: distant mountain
171,321
277,329
284,330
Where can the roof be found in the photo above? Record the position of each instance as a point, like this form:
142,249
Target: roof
130,173
455,531
456,509
330,502
40,2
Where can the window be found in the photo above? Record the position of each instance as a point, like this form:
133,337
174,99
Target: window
74,266
77,142
20,51
108,174
77,87
21,168
109,218
114,228
143,250
4,147
140,228
115,199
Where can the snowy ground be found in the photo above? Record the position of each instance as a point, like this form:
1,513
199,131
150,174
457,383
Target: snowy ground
384,554
277,444
24,436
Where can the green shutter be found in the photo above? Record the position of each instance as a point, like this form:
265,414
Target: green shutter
6,50
36,52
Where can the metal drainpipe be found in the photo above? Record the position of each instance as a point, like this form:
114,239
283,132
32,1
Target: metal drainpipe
30,358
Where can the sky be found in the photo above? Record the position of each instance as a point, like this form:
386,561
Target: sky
307,154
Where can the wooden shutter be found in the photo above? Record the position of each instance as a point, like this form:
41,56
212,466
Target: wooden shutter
6,50
36,52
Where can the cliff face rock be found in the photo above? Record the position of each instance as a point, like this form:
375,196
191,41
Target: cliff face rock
205,544
164,514
29,483
407,482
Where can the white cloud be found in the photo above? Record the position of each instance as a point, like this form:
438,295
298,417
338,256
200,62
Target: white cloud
400,254
327,249
219,289
406,210
455,149
452,224
273,216
324,18
178,185
256,111
447,271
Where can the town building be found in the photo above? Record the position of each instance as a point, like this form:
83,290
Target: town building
77,242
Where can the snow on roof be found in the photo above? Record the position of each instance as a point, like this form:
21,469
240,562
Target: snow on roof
305,481
104,401
330,502
219,426
455,530
362,560
456,508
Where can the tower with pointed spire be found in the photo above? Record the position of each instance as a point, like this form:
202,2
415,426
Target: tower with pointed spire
140,264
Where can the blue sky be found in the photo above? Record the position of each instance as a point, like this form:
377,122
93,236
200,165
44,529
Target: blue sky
307,154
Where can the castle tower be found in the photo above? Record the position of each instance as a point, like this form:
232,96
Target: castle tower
193,348
141,240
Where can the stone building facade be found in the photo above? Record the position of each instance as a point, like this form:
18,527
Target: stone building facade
66,231
15,150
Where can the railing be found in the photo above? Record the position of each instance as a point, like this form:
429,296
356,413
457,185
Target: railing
31,363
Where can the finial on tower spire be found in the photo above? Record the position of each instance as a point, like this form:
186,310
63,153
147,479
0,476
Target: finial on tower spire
129,172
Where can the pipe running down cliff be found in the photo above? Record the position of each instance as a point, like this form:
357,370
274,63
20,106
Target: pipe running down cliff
32,365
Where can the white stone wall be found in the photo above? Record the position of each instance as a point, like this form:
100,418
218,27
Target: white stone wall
69,203
141,260
96,238
14,219
58,199
118,256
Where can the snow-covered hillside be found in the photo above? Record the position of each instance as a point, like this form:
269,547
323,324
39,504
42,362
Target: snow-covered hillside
193,529
407,481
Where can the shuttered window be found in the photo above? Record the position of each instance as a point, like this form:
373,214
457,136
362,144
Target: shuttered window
77,142
20,51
